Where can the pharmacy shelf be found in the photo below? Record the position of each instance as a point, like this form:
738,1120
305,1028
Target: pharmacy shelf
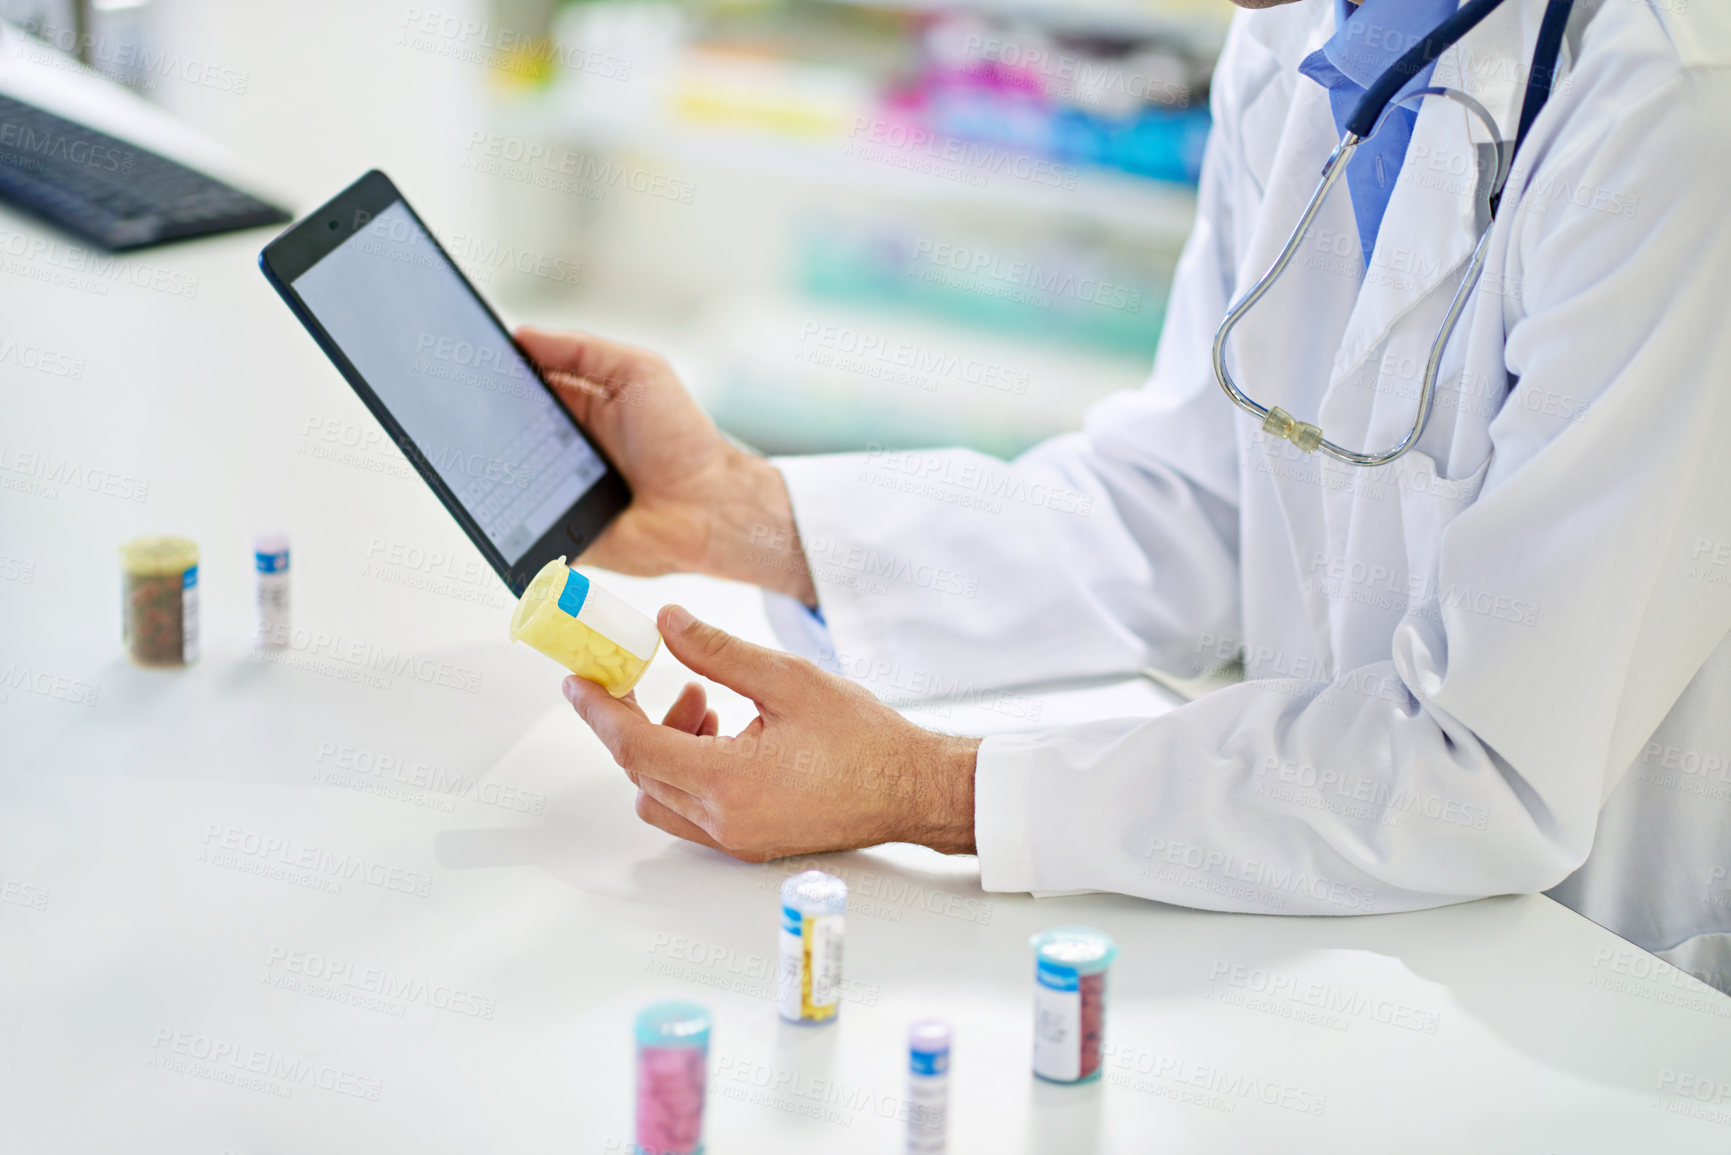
784,373
1140,209
793,375
1199,24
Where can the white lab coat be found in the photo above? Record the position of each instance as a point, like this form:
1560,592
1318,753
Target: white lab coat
1495,665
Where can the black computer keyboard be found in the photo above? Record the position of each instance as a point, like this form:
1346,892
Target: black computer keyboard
109,192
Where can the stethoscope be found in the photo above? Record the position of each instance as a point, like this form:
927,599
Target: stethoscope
1371,111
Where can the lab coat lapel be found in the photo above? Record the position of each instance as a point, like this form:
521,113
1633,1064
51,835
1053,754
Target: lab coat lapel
1289,123
1283,360
1266,86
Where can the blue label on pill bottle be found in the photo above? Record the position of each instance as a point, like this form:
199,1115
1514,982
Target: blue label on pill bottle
928,1062
575,593
1056,976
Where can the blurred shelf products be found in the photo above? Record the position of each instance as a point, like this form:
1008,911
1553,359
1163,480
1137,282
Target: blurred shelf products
989,166
1137,107
914,80
793,376
1200,24
1089,296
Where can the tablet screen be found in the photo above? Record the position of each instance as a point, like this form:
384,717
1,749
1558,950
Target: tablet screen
451,377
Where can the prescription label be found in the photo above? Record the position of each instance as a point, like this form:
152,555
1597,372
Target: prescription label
823,953
188,615
811,961
272,581
1057,1023
928,1102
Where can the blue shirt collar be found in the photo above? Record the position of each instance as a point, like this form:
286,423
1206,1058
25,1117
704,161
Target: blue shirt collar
1364,44
1367,41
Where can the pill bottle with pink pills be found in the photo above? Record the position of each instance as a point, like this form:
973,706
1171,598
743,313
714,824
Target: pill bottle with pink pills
672,1069
1070,1001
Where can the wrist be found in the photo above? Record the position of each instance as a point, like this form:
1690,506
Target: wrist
943,817
752,536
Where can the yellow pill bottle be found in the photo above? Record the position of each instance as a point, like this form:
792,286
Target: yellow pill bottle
584,628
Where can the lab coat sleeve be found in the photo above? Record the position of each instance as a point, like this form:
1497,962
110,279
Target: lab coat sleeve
1107,551
800,630
1575,598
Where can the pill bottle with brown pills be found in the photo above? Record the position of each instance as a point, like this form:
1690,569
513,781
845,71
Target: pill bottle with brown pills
160,611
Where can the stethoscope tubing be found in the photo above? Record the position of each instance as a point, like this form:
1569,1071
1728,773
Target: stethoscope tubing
1367,117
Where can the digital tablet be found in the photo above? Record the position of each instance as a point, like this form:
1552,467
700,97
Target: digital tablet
433,363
